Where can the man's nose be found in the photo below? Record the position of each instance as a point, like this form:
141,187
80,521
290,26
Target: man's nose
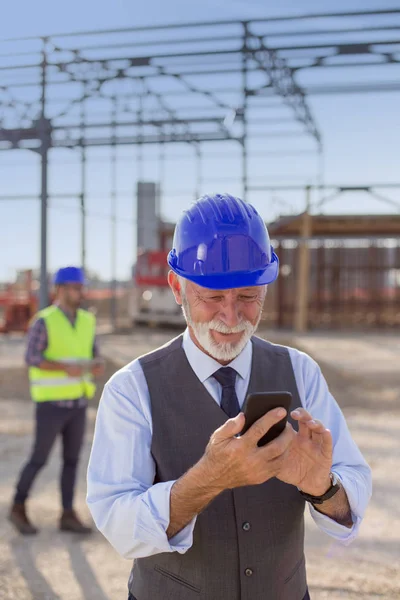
230,313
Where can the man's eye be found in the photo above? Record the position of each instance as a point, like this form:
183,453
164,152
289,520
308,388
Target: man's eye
215,298
248,297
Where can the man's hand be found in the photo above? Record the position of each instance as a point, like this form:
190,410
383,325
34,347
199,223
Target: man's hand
73,370
232,462
308,461
228,462
98,369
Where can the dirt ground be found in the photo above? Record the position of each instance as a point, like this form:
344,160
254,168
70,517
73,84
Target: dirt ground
364,376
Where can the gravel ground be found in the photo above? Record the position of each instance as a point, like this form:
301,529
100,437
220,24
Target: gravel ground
363,374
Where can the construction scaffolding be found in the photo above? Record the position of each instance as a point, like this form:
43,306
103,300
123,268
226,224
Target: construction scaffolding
187,83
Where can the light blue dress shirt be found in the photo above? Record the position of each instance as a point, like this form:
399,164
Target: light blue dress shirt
133,514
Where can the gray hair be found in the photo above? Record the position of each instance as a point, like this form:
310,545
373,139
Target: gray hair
182,283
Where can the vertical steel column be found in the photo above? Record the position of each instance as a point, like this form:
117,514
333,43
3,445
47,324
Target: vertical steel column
113,304
199,172
83,183
321,172
161,177
139,160
44,134
245,184
140,134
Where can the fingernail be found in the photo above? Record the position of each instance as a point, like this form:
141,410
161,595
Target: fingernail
296,413
281,412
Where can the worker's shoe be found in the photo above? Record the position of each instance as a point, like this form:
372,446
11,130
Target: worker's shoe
19,519
70,522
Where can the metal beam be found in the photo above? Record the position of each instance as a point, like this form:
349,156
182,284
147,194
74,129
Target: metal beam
297,17
149,139
150,122
282,80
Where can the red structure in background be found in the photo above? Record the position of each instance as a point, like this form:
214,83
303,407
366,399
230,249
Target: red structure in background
18,304
152,269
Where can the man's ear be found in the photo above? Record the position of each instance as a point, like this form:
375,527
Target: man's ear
175,286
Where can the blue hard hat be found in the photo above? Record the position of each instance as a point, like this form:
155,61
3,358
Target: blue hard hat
221,243
69,275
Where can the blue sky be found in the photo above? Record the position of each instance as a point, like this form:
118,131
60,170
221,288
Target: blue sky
360,132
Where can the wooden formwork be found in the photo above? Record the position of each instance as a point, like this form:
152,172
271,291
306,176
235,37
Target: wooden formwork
350,281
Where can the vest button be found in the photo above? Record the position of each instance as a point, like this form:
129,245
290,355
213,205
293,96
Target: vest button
246,526
248,572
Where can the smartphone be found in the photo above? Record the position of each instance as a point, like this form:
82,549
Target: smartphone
258,404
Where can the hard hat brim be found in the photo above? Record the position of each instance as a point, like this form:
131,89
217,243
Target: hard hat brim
227,281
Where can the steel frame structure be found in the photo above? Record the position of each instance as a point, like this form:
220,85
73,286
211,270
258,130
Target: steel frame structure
157,85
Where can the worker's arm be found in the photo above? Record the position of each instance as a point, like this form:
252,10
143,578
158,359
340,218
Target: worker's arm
347,462
36,347
130,510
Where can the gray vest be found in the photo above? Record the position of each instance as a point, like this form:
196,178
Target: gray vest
249,543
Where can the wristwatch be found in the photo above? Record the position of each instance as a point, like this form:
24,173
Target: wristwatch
334,488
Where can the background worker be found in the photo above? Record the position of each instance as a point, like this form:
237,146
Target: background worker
61,353
206,514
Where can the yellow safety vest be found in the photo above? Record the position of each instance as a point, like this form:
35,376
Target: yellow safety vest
66,343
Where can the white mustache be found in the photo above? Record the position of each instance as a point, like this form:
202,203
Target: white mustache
222,328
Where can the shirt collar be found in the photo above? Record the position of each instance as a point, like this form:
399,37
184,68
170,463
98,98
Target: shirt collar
204,366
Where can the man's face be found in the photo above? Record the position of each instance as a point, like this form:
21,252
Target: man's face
72,294
222,321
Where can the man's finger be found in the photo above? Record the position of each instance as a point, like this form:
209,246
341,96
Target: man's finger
315,426
231,428
301,415
280,444
327,444
263,425
307,425
304,430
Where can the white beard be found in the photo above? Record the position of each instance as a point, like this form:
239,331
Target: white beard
221,351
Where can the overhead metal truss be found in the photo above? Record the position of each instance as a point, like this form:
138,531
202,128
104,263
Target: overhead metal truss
191,83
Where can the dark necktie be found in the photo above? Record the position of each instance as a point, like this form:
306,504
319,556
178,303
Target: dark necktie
229,401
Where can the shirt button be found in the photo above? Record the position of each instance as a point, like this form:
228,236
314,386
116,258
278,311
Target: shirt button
246,526
248,572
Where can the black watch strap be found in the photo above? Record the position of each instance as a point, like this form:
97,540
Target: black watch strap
334,488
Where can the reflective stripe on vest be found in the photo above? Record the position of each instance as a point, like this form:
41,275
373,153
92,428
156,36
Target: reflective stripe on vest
72,344
57,381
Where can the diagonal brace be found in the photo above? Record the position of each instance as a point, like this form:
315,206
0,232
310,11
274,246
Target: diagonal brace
282,80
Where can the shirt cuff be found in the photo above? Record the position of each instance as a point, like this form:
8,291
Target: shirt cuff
334,529
339,532
33,361
156,501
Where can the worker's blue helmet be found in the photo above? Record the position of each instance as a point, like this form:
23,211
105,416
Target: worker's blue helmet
222,243
69,275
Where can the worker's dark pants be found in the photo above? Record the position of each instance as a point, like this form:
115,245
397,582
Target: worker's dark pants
306,597
50,421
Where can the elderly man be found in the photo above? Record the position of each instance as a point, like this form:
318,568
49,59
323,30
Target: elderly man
207,513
